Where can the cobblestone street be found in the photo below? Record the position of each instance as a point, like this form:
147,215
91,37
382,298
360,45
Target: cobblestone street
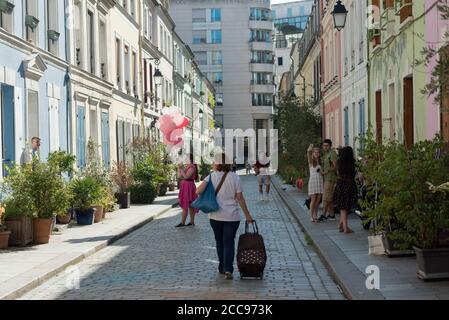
161,262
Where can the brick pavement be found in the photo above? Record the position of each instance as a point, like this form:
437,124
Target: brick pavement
161,262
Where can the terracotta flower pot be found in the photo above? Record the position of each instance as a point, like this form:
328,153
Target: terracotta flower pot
4,238
98,213
64,219
42,230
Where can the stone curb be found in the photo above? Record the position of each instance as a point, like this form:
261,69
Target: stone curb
343,271
29,283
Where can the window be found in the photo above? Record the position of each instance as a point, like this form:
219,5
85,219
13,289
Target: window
118,65
260,36
262,78
260,14
90,42
33,115
217,78
273,14
219,120
289,12
262,99
199,15
280,61
93,125
134,65
31,21
261,57
215,36
201,57
52,26
127,70
217,58
6,21
103,49
145,21
133,8
199,36
215,15
219,99
150,27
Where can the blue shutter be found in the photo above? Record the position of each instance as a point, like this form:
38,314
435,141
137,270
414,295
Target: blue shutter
105,139
346,115
81,136
8,138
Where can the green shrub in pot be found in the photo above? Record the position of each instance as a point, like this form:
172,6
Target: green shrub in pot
86,191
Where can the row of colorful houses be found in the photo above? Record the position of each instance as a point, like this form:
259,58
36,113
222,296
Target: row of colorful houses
76,70
368,75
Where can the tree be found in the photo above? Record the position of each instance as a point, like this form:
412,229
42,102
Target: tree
299,125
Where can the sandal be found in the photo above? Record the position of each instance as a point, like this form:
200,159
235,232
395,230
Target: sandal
181,225
191,224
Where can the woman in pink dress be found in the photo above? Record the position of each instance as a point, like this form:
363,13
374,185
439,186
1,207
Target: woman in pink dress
187,192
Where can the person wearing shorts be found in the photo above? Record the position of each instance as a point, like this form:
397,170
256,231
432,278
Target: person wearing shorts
262,169
330,179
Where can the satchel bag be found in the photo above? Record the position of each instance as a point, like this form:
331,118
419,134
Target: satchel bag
207,201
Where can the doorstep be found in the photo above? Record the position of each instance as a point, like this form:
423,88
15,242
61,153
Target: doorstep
22,269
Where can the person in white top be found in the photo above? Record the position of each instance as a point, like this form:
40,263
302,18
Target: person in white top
226,221
262,168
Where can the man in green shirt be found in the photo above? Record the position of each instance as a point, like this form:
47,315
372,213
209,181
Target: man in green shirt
330,179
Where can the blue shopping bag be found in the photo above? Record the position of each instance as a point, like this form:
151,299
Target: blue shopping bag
207,201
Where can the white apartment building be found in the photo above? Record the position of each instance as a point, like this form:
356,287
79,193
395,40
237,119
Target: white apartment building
354,74
232,43
290,20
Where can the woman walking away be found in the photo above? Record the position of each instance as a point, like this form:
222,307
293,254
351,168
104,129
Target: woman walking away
345,194
187,192
316,184
226,221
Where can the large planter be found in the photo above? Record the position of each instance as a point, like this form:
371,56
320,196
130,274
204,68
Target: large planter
65,219
433,264
98,213
391,248
123,199
42,230
4,238
85,218
162,189
21,231
172,186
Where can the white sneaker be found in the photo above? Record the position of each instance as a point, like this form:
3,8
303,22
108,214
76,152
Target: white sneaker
262,198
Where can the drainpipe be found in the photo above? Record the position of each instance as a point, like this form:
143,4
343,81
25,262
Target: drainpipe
68,76
141,78
304,86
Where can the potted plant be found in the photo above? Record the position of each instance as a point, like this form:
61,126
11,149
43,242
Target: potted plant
85,192
46,194
18,220
122,178
64,164
4,236
98,205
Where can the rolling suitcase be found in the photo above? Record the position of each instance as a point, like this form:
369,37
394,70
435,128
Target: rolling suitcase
251,254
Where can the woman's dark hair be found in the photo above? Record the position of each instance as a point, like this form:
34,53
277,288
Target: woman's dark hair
328,141
221,163
346,162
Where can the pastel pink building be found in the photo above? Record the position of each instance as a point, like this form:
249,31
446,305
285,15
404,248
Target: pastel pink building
436,28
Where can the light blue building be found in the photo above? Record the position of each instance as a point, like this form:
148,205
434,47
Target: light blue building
33,73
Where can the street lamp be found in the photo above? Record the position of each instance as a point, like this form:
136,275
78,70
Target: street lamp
340,13
157,81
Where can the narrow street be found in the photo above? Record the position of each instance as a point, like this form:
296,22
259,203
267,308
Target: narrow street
161,262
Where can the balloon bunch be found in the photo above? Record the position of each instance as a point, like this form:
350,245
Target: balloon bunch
172,124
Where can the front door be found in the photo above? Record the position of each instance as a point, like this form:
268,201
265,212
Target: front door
105,139
7,121
81,136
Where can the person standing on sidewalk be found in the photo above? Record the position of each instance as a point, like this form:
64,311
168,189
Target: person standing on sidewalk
187,191
345,194
316,186
262,167
330,179
226,221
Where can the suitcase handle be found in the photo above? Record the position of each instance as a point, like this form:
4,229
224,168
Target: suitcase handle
255,228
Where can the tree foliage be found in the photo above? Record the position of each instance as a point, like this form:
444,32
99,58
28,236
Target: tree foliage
299,125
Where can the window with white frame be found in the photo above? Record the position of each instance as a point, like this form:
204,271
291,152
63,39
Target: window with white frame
31,21
145,21
118,65
103,48
6,16
127,64
134,73
199,15
52,26
90,42
201,57
33,115
219,99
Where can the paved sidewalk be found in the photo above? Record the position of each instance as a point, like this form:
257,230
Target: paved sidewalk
22,269
347,258
163,263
